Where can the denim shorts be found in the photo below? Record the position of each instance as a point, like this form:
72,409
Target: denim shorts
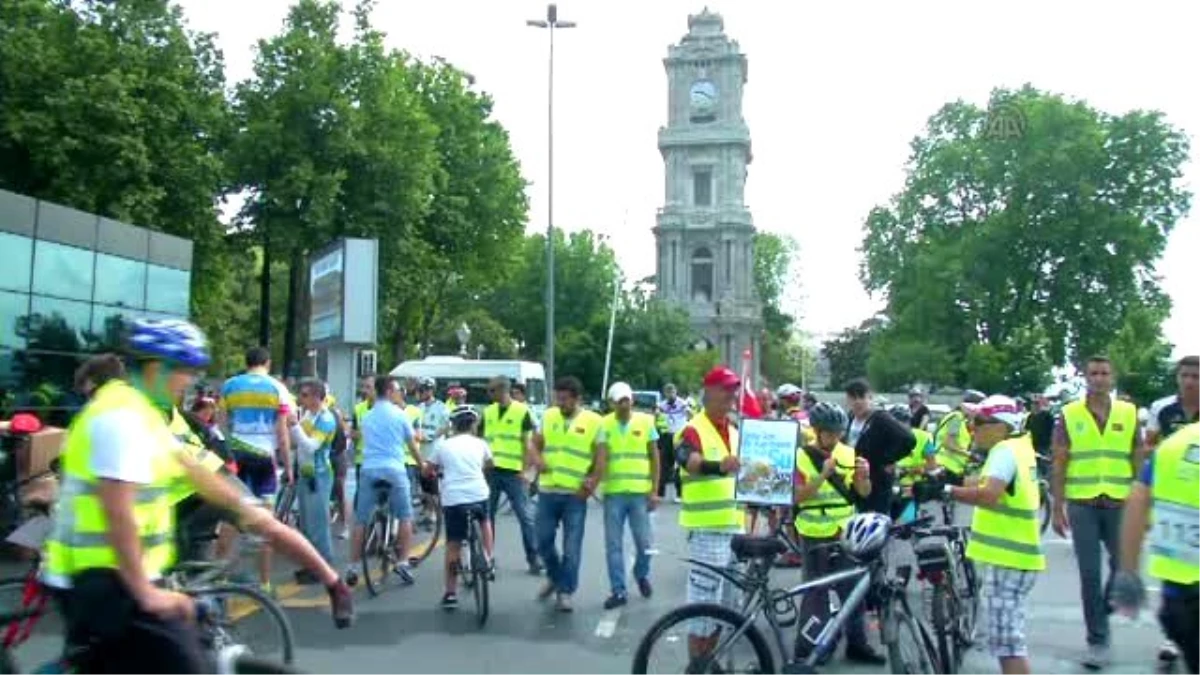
400,494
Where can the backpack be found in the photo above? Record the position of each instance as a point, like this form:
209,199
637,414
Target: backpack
339,435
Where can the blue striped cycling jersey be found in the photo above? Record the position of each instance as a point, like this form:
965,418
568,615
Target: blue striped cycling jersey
253,403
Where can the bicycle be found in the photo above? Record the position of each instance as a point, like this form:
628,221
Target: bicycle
474,567
1045,501
427,525
909,646
379,538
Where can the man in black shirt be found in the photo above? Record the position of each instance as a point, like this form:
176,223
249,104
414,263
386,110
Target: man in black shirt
1167,415
507,473
879,438
920,411
1041,429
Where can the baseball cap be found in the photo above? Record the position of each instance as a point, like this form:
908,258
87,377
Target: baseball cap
620,390
722,377
997,408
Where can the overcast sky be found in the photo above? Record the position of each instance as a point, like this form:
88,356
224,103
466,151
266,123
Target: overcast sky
836,91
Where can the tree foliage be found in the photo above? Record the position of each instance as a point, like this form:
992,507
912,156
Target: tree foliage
785,356
849,352
1141,357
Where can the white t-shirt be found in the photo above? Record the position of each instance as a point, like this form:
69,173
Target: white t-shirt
1153,424
1001,464
122,448
462,459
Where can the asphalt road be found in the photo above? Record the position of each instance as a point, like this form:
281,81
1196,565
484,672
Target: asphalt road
404,629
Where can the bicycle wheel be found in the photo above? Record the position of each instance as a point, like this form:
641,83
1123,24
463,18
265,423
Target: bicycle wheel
428,531
908,646
377,552
966,587
1045,506
942,612
231,616
479,572
750,654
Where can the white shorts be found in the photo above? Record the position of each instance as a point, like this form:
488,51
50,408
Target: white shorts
703,584
1005,593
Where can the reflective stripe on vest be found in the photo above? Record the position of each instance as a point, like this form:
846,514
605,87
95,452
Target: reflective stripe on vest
955,462
708,501
415,415
1007,534
628,470
78,540
568,452
503,433
1176,500
836,512
1100,462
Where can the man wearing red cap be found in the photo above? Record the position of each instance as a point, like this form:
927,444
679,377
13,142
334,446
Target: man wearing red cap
707,451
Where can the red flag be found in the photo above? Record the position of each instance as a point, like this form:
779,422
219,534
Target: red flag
749,405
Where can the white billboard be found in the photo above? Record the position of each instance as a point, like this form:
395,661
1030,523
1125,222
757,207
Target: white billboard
343,283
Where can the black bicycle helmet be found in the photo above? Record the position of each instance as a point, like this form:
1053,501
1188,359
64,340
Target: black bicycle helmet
973,396
464,414
901,413
826,416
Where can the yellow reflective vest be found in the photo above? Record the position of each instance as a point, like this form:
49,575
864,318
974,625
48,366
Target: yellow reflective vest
954,462
569,450
193,446
1007,533
504,434
916,459
360,412
628,469
78,540
824,514
1101,461
708,500
1175,514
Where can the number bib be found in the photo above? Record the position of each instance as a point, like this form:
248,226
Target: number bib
1176,532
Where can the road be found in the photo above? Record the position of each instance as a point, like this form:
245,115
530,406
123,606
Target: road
404,630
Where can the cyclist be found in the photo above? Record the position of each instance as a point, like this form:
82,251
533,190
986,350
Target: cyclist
507,426
1005,537
830,480
912,466
312,437
791,407
366,399
456,396
919,412
952,438
113,535
878,437
463,458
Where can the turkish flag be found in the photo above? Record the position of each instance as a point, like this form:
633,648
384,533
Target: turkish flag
750,407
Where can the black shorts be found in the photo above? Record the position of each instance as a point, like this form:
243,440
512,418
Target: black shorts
456,518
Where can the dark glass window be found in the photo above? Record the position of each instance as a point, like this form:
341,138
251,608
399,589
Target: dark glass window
59,325
120,281
17,253
13,309
167,290
702,186
702,275
109,324
62,271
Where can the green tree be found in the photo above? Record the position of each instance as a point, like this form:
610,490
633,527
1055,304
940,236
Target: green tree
648,333
849,351
1141,357
686,369
897,361
1057,229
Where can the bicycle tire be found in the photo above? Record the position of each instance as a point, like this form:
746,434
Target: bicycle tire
375,543
479,570
944,629
266,603
906,628
1045,506
967,588
421,550
641,657
284,505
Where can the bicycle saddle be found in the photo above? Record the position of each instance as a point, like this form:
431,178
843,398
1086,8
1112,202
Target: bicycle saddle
745,546
380,484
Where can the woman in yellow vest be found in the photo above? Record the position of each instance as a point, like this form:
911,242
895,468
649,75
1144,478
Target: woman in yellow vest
952,439
1005,537
1165,502
569,452
630,491
911,467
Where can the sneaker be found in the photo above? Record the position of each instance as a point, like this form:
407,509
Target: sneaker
563,603
449,601
865,654
404,574
614,601
491,570
645,588
535,567
1097,657
546,590
351,576
341,602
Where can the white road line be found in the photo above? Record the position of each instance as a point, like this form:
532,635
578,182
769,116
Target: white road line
608,624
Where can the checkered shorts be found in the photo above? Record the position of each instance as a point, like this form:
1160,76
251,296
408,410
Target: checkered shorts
1005,591
705,585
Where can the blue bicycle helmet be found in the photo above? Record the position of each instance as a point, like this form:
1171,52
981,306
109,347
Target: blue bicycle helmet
828,417
171,340
865,535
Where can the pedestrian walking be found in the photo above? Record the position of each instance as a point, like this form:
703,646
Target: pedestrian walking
508,426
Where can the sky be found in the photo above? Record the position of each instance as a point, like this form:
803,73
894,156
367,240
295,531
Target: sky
836,92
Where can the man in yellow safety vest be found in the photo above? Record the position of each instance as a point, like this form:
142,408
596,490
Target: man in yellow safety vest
1097,449
1005,537
630,491
507,426
570,453
1165,502
952,440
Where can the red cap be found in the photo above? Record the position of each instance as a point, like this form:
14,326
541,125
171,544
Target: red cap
24,423
722,377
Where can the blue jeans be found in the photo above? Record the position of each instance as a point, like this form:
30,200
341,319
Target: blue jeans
571,511
314,511
617,509
511,484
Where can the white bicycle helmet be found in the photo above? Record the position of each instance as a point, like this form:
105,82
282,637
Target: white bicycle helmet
865,535
788,391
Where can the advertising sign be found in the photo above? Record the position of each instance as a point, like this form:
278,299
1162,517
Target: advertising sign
343,282
327,288
767,451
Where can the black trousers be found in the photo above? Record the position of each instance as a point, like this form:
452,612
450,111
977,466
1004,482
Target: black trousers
118,637
1180,616
666,464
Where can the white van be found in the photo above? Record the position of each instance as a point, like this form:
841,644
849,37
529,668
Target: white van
473,375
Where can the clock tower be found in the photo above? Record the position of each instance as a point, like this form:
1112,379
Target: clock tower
704,232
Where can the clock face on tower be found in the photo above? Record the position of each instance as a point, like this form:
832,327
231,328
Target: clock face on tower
703,98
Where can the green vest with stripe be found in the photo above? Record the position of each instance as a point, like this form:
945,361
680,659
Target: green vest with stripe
1007,534
1101,461
78,540
824,514
569,449
503,433
628,470
1174,555
916,459
360,411
708,501
955,462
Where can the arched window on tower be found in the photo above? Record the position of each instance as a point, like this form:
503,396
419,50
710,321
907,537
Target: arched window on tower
702,275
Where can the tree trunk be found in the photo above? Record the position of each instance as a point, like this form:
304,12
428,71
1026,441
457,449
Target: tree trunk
399,345
264,289
290,331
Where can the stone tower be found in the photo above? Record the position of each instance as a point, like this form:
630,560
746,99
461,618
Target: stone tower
704,232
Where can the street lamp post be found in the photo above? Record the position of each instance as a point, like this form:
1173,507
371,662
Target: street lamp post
551,22
464,336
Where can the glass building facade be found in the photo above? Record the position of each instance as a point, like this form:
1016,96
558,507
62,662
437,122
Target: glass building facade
68,282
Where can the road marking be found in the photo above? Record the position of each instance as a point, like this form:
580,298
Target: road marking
608,623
